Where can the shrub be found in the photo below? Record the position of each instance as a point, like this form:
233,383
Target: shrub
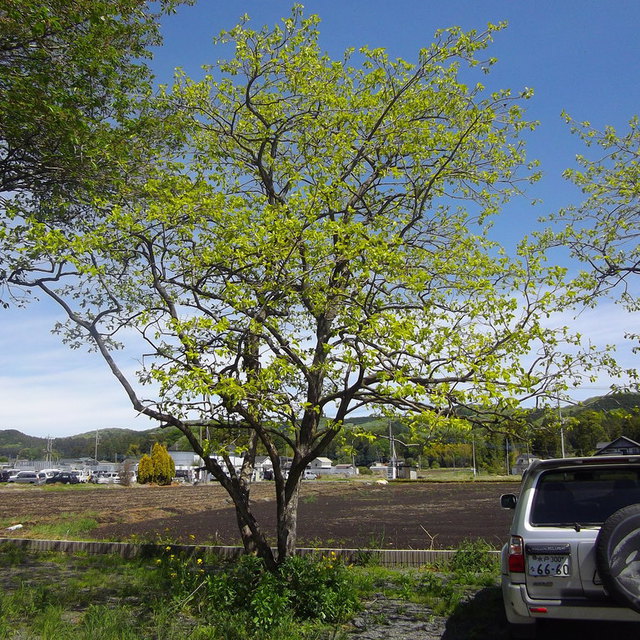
158,468
301,589
163,466
318,589
472,557
145,470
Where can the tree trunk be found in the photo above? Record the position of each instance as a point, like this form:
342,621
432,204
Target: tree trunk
287,526
245,478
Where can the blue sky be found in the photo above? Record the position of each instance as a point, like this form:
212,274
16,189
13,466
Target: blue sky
578,56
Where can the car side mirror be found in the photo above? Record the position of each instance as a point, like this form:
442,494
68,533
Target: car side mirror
508,501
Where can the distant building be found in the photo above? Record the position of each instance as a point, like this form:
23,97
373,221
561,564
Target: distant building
621,446
191,468
379,468
321,466
523,462
346,469
407,472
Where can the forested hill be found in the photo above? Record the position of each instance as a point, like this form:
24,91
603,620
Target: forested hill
621,401
112,442
115,443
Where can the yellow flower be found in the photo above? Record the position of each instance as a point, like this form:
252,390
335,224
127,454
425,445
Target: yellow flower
199,561
167,548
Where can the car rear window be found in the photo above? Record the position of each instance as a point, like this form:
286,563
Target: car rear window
585,496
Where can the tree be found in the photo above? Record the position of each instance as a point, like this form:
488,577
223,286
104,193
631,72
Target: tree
324,249
126,473
74,85
145,470
164,468
158,467
603,231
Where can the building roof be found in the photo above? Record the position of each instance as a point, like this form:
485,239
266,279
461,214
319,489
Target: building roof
619,446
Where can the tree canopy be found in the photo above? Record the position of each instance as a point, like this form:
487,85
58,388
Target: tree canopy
603,231
74,84
316,244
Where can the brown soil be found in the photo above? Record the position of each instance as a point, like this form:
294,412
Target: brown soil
333,514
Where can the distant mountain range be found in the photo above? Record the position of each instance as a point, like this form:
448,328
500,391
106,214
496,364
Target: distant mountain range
623,401
115,443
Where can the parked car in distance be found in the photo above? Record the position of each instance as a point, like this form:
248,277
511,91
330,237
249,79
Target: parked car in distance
27,477
48,473
107,477
64,477
5,474
83,475
574,550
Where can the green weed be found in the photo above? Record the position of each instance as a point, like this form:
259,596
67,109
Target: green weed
68,526
11,554
170,597
473,557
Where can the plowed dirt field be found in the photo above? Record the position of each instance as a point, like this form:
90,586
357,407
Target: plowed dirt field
345,514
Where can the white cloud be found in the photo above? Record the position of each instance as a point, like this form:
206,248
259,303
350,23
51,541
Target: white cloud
48,389
604,326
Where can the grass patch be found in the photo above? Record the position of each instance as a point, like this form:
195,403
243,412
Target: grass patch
168,597
66,526
460,475
443,590
80,486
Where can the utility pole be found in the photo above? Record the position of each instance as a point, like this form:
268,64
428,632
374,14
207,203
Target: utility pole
473,454
392,470
95,453
561,429
506,446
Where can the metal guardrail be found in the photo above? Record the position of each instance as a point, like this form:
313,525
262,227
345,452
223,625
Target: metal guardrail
383,557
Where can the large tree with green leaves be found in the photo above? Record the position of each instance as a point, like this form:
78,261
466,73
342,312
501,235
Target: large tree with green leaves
74,89
317,246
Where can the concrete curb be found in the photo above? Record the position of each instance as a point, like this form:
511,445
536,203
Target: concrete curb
383,557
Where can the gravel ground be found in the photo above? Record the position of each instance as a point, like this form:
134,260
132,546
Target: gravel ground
480,617
391,619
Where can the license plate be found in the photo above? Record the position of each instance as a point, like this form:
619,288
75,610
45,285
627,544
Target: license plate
552,566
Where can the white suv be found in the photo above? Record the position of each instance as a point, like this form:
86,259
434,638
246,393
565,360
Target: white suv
574,551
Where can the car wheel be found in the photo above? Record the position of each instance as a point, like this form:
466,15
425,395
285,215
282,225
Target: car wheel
618,556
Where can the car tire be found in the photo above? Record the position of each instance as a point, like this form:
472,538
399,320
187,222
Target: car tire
618,556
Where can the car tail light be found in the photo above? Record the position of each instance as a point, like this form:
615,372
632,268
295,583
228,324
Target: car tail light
516,555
